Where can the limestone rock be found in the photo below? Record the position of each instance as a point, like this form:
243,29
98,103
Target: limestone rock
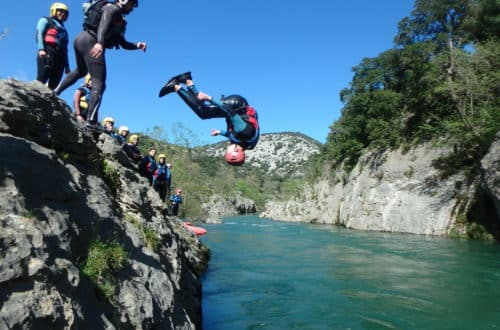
392,191
219,206
61,189
490,168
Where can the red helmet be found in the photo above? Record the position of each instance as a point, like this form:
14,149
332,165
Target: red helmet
235,155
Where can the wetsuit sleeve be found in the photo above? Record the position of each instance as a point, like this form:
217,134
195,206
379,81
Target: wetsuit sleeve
219,105
40,29
224,108
127,45
108,13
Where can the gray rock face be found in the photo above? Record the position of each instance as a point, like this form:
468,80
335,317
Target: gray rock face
490,168
60,190
219,206
394,191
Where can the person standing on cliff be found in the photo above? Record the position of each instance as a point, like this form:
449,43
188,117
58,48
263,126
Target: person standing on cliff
104,28
175,201
52,41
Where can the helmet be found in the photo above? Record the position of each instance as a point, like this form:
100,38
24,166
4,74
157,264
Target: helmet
133,138
124,2
107,120
87,79
235,101
58,6
162,156
123,129
235,155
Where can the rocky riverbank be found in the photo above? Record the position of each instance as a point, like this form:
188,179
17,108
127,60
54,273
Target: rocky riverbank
402,191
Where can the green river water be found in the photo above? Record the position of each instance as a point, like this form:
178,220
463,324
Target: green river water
276,275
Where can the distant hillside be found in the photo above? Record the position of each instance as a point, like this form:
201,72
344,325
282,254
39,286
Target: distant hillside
281,154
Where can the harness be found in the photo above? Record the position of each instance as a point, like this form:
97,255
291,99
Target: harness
249,115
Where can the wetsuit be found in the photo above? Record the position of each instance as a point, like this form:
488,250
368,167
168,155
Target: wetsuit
110,34
161,180
238,130
176,200
52,37
132,152
147,165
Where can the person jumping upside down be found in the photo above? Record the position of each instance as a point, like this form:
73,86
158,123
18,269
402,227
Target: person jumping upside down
242,120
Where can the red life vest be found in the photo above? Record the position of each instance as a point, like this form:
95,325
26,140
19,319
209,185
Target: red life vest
250,116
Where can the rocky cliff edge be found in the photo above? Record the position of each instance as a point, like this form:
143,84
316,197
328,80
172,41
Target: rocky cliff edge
61,191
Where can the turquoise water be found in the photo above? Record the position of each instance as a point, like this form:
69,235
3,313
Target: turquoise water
274,275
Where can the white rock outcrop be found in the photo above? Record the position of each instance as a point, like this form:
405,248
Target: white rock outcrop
392,191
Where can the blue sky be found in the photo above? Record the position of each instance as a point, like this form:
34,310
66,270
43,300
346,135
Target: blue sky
290,59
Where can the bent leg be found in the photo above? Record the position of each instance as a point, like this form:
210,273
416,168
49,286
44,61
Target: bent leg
82,46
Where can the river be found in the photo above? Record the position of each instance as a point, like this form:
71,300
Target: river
275,275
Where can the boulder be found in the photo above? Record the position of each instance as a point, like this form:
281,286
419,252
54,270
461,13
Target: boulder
219,206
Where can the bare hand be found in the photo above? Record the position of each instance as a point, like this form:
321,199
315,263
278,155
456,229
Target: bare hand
42,53
142,46
215,132
97,50
203,97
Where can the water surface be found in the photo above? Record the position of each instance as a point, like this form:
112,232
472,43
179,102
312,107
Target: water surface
276,275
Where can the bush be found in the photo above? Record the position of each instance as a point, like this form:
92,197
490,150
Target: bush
102,263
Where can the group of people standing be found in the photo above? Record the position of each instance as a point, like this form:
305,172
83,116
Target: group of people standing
104,27
155,169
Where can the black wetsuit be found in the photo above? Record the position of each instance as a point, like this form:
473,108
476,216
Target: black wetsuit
239,131
110,34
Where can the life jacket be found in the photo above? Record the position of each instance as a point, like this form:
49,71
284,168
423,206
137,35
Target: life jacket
147,166
93,13
84,99
161,172
249,115
55,34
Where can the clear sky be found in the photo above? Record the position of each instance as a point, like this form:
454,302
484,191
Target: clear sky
290,59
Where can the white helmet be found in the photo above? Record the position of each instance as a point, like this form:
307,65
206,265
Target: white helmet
124,2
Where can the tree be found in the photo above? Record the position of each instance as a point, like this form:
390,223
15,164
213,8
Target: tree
483,22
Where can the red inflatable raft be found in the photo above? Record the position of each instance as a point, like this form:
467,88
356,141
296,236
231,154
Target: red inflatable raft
196,230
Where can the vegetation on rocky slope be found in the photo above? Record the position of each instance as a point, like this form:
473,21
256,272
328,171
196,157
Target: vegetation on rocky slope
274,171
440,81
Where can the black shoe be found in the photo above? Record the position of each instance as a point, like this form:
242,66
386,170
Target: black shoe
93,126
183,77
169,87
